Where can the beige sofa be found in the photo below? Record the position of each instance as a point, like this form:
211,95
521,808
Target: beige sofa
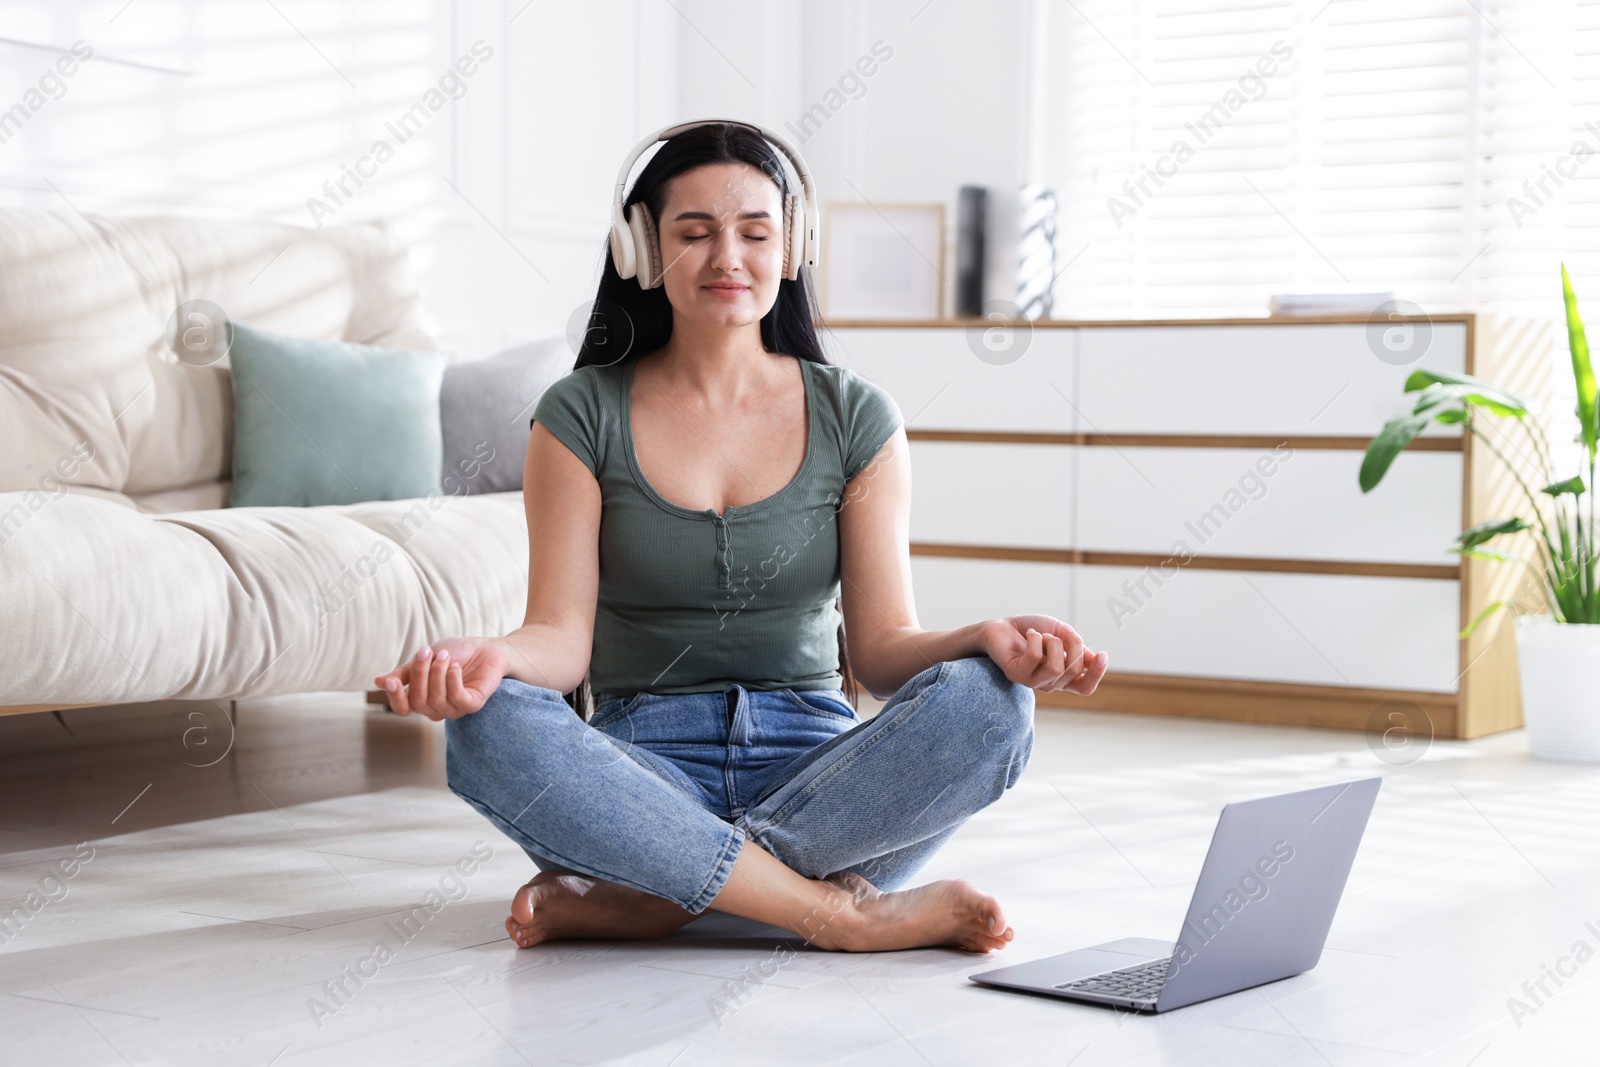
124,577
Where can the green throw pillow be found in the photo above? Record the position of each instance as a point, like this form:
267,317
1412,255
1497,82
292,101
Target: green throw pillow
330,422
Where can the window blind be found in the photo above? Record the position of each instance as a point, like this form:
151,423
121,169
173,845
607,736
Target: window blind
1209,154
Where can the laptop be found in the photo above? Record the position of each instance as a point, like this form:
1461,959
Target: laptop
1260,912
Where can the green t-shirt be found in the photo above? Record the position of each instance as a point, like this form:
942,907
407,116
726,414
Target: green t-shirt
692,601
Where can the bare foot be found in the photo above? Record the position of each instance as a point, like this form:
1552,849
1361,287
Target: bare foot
556,905
951,912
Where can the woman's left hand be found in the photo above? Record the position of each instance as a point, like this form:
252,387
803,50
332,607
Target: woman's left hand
1044,653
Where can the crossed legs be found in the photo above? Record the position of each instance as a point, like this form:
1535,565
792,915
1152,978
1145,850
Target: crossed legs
634,855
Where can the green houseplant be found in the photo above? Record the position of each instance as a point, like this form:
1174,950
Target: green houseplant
1559,649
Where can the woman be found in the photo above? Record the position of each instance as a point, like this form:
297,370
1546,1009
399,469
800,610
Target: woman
700,492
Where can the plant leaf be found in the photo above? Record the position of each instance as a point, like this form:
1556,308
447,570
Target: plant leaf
1431,397
1390,442
1484,614
1484,531
1495,406
1582,369
1453,415
1573,485
1485,553
1466,388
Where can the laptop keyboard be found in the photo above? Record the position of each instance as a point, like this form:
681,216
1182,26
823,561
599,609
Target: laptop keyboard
1143,982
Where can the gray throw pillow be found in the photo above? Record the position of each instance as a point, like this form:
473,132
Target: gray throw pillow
484,407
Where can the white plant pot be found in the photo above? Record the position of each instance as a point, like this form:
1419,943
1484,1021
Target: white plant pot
1560,668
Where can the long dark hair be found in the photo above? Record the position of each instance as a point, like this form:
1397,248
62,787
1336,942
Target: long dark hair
626,321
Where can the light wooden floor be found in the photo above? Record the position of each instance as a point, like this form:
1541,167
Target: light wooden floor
219,900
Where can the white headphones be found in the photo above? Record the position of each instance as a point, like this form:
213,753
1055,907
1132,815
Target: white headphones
636,242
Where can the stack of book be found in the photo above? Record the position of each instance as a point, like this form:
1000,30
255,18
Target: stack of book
1327,302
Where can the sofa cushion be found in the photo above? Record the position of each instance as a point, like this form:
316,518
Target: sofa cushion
331,422
85,302
484,406
104,604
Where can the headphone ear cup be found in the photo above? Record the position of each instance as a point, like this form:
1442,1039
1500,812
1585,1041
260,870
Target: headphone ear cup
646,244
794,235
622,257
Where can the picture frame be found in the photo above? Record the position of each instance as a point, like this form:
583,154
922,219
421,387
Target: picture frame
883,260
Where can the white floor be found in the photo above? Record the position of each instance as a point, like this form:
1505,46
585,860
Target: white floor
215,908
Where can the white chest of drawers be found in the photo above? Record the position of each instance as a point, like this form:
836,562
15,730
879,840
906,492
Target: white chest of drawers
1185,495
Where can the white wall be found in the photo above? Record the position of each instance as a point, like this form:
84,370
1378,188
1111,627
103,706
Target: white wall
243,108
946,110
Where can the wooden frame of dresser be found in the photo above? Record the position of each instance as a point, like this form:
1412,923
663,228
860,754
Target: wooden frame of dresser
1511,353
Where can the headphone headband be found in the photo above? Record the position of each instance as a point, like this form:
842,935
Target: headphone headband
807,186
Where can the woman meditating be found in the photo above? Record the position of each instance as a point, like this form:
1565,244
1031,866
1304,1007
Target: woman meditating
718,551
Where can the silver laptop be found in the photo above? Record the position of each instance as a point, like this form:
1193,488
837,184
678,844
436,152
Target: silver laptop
1260,912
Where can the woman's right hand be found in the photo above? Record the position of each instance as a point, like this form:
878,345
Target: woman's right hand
447,679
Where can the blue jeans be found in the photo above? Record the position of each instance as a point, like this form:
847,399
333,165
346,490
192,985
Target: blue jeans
660,791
